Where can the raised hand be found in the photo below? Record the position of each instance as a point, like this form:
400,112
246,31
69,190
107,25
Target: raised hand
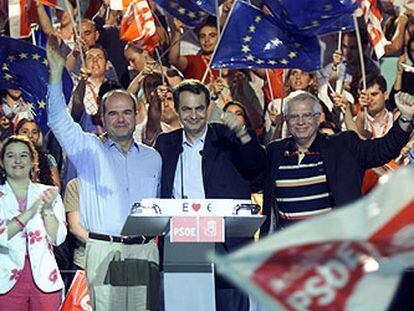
236,127
405,104
55,59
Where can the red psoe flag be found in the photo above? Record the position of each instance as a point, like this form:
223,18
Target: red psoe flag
351,258
22,13
138,25
373,18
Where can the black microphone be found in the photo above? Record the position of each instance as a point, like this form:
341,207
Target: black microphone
201,152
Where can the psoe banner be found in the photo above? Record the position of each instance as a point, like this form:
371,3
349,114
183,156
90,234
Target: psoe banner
351,258
197,229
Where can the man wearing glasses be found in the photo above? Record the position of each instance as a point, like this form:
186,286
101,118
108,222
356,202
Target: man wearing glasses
309,173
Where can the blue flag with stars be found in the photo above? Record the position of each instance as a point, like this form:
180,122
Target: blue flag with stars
313,17
25,67
187,11
255,41
208,5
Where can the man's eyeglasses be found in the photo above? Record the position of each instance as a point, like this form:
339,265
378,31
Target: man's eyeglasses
306,117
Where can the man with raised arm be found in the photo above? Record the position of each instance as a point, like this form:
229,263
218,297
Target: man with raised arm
112,175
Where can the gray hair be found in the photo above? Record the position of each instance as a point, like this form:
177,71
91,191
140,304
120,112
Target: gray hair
300,96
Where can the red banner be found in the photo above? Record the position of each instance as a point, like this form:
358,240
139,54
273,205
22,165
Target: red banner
138,25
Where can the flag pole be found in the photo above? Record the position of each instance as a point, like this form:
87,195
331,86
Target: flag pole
75,31
174,42
340,41
159,61
362,63
218,25
270,85
80,29
217,44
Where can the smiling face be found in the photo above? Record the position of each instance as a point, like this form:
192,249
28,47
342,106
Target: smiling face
302,121
17,161
119,117
208,39
192,112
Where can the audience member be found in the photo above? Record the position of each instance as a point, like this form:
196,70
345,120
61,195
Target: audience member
32,219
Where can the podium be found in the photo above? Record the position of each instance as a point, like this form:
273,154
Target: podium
189,282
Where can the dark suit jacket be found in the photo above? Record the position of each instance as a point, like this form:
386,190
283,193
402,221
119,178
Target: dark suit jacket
229,169
228,166
345,158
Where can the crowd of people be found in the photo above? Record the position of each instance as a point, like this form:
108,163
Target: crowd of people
143,126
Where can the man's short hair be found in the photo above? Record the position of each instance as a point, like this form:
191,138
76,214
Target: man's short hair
109,94
375,79
99,47
192,86
300,96
210,21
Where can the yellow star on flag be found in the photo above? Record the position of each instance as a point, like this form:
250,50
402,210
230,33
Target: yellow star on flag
250,57
172,4
41,104
257,19
5,67
272,62
259,61
247,39
252,28
181,11
7,77
30,105
45,62
191,14
35,56
11,58
292,54
23,55
315,23
201,13
326,16
328,7
284,61
298,45
245,48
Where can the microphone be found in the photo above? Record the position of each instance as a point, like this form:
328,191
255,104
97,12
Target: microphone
201,152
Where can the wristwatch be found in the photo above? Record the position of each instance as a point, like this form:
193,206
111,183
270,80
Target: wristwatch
404,119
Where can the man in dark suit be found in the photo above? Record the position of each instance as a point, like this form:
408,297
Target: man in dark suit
309,173
209,161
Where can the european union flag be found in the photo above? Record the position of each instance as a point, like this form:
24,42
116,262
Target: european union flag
313,17
208,5
186,11
25,67
251,39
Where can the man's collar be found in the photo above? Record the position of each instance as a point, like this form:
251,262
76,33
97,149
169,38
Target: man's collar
314,147
202,139
372,119
111,144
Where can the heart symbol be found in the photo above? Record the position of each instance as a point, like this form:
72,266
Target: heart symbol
195,207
